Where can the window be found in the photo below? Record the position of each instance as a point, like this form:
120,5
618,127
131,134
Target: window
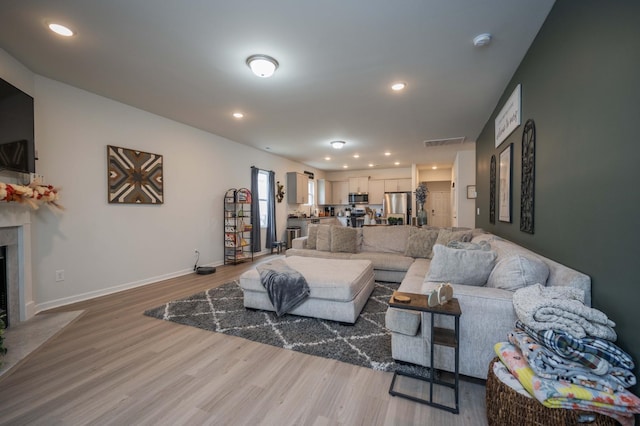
312,193
263,196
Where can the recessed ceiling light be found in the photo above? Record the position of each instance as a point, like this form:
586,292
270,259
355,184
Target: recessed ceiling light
238,114
345,167
482,40
327,158
61,30
387,153
398,86
262,65
434,167
337,144
397,163
371,164
356,155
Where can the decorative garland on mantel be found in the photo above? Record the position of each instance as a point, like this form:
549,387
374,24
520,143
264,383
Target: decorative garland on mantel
32,194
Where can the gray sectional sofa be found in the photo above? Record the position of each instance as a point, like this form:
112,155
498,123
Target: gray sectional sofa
484,270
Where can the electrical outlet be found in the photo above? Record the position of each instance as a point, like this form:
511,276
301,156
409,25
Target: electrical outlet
60,275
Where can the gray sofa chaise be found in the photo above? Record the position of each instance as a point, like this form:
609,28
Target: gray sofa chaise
484,270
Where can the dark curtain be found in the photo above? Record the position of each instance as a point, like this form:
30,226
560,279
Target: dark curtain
255,211
271,211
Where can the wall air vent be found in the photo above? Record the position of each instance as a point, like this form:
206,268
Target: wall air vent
443,142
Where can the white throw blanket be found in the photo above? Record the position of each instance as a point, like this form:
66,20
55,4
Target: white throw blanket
561,308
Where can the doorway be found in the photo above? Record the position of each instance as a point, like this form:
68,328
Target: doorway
438,205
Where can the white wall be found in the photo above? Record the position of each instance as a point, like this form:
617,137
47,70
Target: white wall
105,247
464,174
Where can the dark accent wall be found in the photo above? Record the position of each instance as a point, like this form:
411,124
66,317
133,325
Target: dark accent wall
581,84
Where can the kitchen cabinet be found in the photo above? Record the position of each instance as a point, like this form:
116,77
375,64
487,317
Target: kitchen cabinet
359,184
340,192
376,191
397,185
297,188
324,189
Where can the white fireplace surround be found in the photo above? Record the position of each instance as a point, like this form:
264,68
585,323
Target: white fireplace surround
15,234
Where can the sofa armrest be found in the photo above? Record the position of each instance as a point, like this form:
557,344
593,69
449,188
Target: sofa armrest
299,243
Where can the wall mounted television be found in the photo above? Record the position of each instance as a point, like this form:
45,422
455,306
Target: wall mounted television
17,146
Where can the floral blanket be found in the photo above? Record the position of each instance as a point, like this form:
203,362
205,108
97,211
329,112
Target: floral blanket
560,394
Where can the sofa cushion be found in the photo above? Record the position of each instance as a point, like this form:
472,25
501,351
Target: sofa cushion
459,266
323,240
481,245
420,243
312,236
343,239
386,239
445,236
385,261
514,272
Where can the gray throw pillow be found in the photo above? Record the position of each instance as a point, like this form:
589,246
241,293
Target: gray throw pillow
312,236
514,272
323,241
420,243
445,236
459,266
343,239
482,245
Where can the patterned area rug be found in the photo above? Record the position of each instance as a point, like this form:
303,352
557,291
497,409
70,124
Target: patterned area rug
367,343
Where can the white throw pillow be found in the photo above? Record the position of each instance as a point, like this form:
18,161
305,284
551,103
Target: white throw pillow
323,241
514,272
459,266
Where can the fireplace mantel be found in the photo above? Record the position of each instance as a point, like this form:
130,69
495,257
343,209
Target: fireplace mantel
15,233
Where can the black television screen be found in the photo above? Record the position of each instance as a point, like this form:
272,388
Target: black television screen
17,148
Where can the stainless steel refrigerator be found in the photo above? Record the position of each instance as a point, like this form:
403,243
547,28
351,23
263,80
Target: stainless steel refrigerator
397,204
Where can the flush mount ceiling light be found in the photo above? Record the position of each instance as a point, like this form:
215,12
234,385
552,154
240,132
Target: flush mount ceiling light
398,86
262,65
482,40
238,115
338,144
61,30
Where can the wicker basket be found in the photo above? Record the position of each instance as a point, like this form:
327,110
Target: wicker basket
507,407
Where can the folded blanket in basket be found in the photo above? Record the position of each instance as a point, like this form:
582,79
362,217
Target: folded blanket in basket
592,352
286,287
561,308
551,366
558,394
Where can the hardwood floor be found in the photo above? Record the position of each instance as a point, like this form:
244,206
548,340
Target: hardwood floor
116,366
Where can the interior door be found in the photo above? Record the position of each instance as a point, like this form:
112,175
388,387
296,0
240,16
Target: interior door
438,207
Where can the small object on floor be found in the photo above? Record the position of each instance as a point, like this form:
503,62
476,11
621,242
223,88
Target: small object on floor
402,299
205,270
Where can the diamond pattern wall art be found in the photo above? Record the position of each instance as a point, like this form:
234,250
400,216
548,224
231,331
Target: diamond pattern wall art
135,177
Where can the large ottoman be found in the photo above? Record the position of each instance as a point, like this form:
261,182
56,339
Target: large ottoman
339,288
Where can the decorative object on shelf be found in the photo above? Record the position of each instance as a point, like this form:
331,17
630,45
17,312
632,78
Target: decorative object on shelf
471,191
279,192
492,190
421,197
135,177
32,194
238,225
527,187
506,157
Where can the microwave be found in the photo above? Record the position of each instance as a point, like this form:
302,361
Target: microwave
358,198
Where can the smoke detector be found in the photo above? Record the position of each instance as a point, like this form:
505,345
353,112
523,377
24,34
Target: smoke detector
482,40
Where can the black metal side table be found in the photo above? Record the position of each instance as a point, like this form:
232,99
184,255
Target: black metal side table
439,336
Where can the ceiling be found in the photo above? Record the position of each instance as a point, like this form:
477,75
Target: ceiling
186,61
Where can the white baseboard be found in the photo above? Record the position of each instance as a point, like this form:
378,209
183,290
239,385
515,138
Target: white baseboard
110,290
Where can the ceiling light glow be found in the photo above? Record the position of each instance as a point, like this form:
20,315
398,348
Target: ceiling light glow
398,86
387,153
262,65
238,114
61,30
482,40
356,155
338,144
397,163
327,158
434,168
